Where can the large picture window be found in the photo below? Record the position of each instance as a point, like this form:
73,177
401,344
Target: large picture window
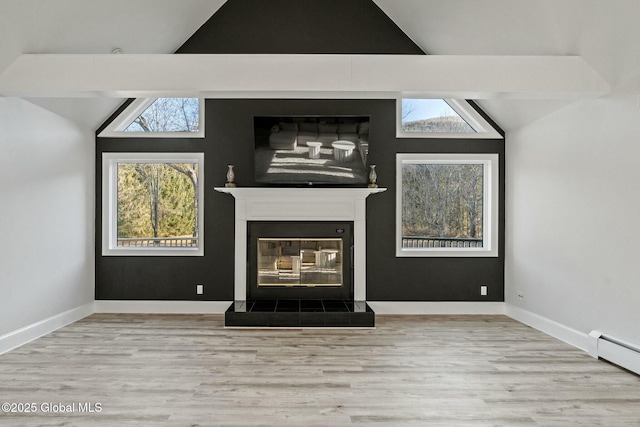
447,205
152,204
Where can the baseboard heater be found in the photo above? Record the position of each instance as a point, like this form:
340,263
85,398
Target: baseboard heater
614,350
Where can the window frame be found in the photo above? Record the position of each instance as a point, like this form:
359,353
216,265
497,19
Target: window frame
491,196
110,163
483,129
116,129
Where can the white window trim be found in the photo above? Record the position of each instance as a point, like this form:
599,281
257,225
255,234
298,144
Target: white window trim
490,206
116,129
110,207
483,130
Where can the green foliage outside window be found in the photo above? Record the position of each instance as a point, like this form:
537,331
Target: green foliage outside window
157,200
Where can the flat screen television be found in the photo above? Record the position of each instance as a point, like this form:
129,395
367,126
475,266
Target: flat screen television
311,150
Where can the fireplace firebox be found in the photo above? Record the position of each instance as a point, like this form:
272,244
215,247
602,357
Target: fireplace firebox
300,260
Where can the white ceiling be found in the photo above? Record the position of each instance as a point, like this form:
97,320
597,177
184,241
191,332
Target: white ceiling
96,26
605,34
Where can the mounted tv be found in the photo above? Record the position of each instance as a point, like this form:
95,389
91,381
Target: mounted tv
311,150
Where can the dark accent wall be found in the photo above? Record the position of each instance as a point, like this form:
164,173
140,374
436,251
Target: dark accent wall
290,27
230,140
171,278
300,26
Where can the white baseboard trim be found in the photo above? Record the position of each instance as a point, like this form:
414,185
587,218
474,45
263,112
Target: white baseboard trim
31,332
161,307
436,307
557,330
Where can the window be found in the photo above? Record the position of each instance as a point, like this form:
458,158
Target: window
447,205
441,118
159,118
152,204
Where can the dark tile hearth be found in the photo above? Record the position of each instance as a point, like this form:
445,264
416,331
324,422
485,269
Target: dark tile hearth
300,313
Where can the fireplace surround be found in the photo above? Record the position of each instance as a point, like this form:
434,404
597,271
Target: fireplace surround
285,204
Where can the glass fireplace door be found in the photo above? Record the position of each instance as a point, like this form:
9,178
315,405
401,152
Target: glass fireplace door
300,262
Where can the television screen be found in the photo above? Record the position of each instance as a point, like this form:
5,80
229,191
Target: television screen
311,150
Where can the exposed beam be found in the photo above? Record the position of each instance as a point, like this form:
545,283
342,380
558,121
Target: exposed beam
361,76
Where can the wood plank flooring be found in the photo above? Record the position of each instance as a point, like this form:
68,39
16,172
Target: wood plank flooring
188,370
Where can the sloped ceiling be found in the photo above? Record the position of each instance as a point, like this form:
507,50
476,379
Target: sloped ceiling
96,26
605,34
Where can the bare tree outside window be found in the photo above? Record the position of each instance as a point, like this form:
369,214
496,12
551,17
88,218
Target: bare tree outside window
159,201
408,107
442,204
168,115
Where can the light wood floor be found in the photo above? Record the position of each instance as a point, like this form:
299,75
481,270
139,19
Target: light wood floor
187,370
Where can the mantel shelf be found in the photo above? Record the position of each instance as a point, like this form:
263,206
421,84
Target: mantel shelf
307,193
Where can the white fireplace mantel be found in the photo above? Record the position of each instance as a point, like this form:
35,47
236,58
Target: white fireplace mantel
300,204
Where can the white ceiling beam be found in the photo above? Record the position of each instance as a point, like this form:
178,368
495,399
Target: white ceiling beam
288,76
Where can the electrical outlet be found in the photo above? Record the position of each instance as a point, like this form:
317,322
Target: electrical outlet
483,290
199,289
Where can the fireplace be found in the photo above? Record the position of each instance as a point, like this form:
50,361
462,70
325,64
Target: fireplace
333,242
300,260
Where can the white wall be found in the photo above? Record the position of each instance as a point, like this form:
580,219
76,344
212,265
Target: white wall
46,214
573,215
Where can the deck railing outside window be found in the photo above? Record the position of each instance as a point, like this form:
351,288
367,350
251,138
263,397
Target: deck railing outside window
159,242
440,242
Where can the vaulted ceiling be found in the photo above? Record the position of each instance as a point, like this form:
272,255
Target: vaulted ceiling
603,33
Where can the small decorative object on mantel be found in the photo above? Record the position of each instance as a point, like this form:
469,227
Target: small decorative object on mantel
230,177
373,177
